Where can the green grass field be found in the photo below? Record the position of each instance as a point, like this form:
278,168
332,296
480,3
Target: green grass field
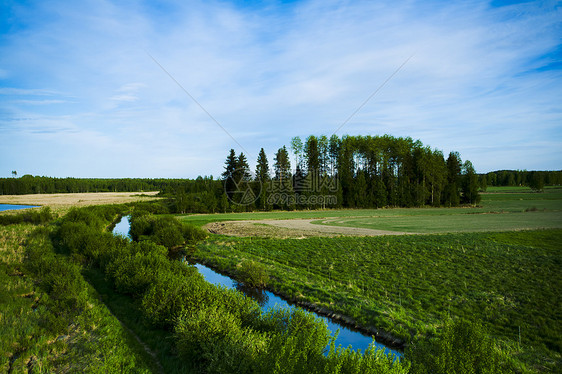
502,208
475,263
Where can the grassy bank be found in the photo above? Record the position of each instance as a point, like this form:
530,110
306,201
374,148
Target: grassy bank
52,320
410,285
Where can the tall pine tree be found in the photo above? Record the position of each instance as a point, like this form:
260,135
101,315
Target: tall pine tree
262,180
229,174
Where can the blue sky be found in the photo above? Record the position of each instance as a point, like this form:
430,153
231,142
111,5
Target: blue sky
81,96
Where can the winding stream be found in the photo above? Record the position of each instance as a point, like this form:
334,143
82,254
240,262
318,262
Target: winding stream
266,299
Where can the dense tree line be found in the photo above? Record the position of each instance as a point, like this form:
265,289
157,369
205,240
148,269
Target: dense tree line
318,172
352,172
29,184
533,179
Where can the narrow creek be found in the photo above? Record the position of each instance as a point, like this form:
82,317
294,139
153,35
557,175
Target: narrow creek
266,299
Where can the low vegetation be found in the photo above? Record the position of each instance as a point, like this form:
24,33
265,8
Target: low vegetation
163,230
52,320
213,329
74,297
410,285
252,274
32,216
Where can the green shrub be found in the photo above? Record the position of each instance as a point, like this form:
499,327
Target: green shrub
193,234
141,224
60,279
462,347
134,273
166,231
84,216
253,274
216,342
169,236
297,342
373,360
33,216
172,295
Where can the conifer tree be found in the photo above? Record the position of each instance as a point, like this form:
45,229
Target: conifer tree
262,167
229,174
262,180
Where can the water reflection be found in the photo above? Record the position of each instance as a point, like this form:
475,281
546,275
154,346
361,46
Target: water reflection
258,294
122,227
346,337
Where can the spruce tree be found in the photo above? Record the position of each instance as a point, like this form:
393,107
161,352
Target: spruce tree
229,174
262,167
262,178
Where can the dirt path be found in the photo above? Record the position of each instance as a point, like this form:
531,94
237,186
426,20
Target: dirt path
289,228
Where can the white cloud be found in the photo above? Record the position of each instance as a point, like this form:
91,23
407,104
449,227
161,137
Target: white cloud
474,83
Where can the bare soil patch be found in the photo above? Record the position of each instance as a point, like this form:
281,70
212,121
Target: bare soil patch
289,228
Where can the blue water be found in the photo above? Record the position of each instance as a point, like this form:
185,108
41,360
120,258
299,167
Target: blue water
4,207
122,227
346,337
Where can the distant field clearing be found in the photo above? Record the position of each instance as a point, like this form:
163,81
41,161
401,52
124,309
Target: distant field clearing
60,200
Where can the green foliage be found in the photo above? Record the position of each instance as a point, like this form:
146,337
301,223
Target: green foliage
216,330
253,274
470,185
492,275
135,272
298,342
216,342
51,318
33,216
163,230
373,361
462,347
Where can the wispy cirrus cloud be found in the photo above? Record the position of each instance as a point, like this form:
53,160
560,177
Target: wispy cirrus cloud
484,80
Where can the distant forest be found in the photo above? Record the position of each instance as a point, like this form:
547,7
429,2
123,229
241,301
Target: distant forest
319,172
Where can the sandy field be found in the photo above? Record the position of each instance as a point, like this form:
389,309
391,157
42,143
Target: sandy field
65,200
289,228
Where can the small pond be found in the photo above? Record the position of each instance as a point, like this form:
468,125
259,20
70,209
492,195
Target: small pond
4,207
266,299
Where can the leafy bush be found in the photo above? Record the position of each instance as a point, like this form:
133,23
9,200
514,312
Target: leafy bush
216,329
297,342
253,274
462,347
141,226
60,279
169,236
193,234
36,217
216,342
373,360
137,268
166,231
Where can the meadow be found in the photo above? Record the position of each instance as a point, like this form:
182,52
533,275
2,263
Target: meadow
501,208
76,298
470,263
